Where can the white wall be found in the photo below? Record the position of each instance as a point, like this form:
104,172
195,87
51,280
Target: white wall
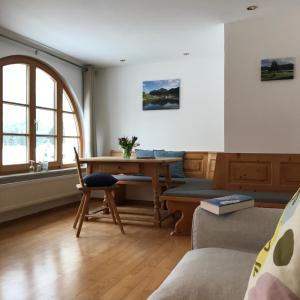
261,116
46,192
197,125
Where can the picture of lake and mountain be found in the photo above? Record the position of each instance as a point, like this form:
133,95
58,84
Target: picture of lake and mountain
161,94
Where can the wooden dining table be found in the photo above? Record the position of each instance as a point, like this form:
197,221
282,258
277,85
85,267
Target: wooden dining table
152,167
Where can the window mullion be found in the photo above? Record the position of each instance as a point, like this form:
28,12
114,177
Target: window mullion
32,127
59,128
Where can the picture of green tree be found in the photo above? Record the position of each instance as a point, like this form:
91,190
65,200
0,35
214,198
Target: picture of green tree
161,94
277,69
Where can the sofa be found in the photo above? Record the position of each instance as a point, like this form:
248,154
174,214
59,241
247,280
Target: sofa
223,252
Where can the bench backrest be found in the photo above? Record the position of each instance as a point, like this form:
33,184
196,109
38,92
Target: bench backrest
196,164
257,172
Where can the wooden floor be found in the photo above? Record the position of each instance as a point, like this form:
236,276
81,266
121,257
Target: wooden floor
40,258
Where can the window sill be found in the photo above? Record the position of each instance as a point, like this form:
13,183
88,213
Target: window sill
37,175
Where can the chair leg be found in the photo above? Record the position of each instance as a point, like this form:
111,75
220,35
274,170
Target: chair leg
110,207
84,211
115,211
79,211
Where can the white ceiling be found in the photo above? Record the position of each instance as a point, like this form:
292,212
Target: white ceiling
101,32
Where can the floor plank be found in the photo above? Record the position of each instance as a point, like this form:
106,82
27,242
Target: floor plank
40,258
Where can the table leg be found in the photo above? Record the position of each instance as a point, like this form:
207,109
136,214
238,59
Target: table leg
168,183
168,177
156,193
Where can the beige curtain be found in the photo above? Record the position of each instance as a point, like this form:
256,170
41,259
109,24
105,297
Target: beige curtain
88,112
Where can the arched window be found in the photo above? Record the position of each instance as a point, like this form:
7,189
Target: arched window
38,116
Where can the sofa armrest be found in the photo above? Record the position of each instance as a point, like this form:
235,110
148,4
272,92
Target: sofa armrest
246,230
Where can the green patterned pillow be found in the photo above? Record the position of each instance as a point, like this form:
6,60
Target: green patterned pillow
276,272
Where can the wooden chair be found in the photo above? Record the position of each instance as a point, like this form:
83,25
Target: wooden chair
83,210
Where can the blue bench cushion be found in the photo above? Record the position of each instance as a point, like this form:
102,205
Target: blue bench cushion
177,167
99,179
142,153
206,183
193,189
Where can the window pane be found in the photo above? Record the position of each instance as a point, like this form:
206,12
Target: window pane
14,118
45,89
66,103
45,122
14,150
15,83
45,148
68,151
69,125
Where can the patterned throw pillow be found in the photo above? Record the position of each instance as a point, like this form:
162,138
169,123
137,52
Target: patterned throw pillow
276,272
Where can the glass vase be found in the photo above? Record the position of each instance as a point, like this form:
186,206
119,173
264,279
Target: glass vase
127,153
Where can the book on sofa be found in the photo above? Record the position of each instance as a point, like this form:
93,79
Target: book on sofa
227,204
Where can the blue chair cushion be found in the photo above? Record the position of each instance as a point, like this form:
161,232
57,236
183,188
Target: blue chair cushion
176,168
141,153
99,179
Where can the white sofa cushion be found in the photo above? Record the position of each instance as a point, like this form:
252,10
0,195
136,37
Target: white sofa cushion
208,274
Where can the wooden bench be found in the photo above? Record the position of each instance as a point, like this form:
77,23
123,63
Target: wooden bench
271,179
275,173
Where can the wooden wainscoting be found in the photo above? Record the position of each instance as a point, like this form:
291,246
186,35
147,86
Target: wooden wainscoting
199,164
258,172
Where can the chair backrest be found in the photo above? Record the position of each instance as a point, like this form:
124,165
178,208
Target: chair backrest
78,167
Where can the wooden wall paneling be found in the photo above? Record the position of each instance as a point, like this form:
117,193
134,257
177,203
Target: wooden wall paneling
246,172
258,172
290,173
276,174
195,164
211,164
220,172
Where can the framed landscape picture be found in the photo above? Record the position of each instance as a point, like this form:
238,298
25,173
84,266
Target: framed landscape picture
277,68
161,94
